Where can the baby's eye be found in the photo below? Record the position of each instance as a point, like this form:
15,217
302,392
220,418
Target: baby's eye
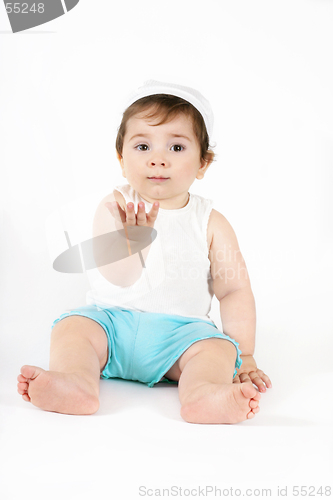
178,148
141,147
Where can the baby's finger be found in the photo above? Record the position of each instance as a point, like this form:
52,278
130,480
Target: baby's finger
256,379
265,378
152,215
130,215
244,377
141,217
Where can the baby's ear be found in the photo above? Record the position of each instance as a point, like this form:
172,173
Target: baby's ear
120,159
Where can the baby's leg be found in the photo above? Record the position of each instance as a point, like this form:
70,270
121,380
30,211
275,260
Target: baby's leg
206,390
78,353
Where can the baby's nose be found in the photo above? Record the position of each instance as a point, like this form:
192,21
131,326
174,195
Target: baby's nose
157,162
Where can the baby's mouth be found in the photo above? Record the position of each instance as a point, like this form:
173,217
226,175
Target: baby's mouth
158,177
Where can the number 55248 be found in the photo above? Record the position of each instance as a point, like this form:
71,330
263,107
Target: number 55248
23,8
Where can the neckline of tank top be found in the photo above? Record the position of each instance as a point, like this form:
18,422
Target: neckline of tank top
172,210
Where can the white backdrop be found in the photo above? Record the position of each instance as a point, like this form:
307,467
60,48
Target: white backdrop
266,69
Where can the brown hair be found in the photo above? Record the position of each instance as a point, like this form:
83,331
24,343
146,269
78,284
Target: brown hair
166,107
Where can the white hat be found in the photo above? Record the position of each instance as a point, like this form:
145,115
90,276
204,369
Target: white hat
194,97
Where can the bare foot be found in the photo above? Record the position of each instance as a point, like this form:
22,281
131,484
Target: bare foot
60,392
222,404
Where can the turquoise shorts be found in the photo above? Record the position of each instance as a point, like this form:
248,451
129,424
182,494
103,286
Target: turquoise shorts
143,346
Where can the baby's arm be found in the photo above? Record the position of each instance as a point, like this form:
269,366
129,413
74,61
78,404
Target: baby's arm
231,285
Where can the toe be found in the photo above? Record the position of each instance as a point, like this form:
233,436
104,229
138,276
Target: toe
20,378
30,372
249,391
22,387
25,397
253,403
257,396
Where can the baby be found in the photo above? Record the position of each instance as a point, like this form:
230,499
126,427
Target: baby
147,318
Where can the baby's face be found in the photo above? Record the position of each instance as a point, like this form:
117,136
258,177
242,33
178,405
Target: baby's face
170,150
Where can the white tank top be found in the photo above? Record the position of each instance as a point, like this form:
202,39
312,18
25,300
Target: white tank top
177,278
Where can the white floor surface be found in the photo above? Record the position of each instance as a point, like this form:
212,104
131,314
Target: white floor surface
138,446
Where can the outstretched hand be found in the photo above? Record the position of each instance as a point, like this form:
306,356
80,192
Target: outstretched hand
249,372
128,217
